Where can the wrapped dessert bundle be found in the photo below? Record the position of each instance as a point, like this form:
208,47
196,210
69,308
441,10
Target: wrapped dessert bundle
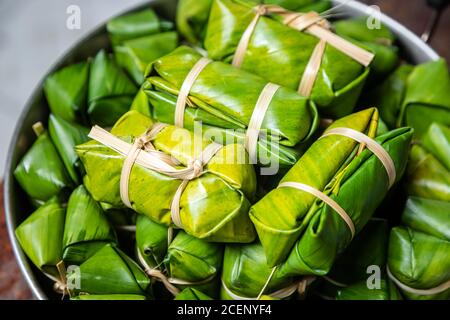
54,236
172,176
246,276
192,15
178,261
419,260
295,50
329,194
138,38
192,294
183,87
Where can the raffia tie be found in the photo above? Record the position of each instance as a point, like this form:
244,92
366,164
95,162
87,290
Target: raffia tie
154,160
421,292
186,88
256,120
60,285
313,24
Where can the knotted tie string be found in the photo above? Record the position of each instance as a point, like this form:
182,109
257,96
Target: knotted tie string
60,285
313,24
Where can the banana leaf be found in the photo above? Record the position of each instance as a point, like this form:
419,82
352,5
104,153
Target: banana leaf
110,271
135,25
304,231
109,297
110,91
141,103
427,97
66,92
41,235
360,291
192,15
419,249
437,141
151,241
134,55
280,54
245,272
86,229
41,172
192,294
224,98
427,177
65,136
379,40
213,206
389,95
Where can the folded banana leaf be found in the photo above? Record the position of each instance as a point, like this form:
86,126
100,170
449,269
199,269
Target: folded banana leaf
304,231
427,97
213,206
418,253
428,173
134,55
224,98
192,294
41,236
280,54
109,272
135,25
389,95
187,261
245,272
192,15
65,136
86,229
41,172
360,291
109,297
66,92
110,93
378,39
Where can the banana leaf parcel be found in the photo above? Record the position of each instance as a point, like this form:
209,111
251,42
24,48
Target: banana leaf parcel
300,234
192,294
214,203
109,297
184,262
192,15
360,291
264,40
223,97
375,38
418,258
109,272
66,92
428,173
246,275
41,172
110,92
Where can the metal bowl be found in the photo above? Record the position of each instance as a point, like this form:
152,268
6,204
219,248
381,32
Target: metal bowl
17,207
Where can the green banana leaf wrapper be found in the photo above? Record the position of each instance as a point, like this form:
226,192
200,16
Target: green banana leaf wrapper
213,206
66,91
360,291
427,97
65,136
109,297
135,25
428,173
41,172
193,261
192,294
86,228
245,272
41,236
304,235
419,249
109,272
192,15
224,98
280,55
379,40
110,92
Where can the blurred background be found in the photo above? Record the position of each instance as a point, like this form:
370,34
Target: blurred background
33,34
